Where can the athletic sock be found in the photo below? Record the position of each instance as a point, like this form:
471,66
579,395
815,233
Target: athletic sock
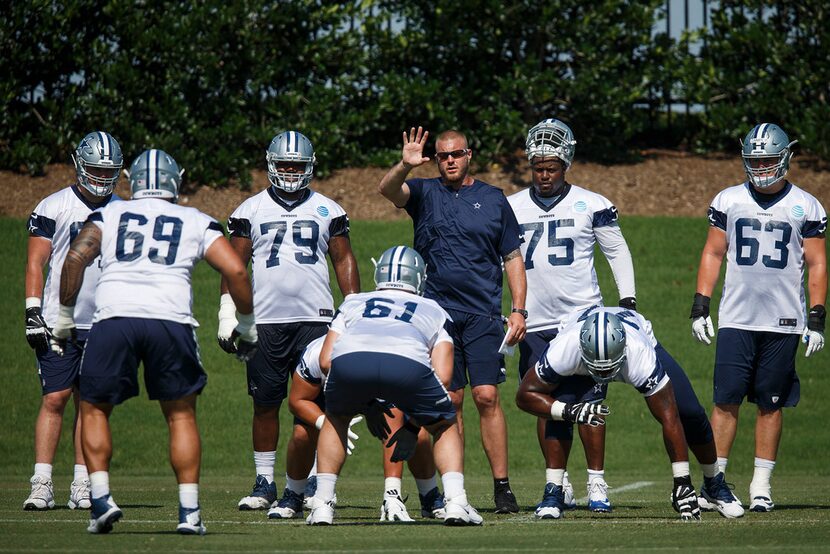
297,486
81,473
453,482
594,474
325,486
760,485
555,476
264,463
189,495
722,462
426,485
44,470
709,470
100,483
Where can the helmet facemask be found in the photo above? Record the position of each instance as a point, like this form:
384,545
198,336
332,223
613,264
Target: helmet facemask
602,346
549,138
766,141
292,147
98,161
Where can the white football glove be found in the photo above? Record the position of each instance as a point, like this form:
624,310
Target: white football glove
227,323
814,341
701,327
351,436
63,330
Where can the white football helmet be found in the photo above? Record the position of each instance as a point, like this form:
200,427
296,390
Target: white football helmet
100,151
155,174
551,137
290,146
401,268
602,345
766,140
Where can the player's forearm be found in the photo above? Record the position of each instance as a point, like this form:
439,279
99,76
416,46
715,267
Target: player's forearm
239,287
815,255
708,272
34,280
82,252
306,410
534,403
391,186
514,267
664,409
348,277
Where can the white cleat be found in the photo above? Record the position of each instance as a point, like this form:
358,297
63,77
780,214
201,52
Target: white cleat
568,488
42,496
761,504
104,513
190,522
598,496
322,513
461,513
393,509
716,495
79,495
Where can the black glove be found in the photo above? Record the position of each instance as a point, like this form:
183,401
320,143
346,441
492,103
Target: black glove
244,350
629,303
37,333
700,306
227,344
405,441
815,319
586,413
684,499
376,412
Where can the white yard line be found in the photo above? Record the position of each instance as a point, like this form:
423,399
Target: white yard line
614,490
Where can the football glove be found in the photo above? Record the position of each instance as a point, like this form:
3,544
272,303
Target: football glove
629,303
582,413
813,336
376,412
227,323
405,440
684,499
64,329
245,348
37,333
352,436
701,322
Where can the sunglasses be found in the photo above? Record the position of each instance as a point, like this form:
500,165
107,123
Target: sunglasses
455,154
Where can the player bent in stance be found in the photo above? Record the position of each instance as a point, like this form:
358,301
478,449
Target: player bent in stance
385,344
307,402
148,249
53,224
614,344
767,228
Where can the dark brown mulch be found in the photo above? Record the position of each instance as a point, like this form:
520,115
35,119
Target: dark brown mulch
664,183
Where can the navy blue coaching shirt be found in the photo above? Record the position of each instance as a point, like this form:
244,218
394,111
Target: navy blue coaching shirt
463,236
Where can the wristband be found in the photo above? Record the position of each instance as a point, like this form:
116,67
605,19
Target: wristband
246,321
319,423
816,318
33,302
700,306
557,409
519,311
66,313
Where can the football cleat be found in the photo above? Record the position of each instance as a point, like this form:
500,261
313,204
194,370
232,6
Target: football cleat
761,504
310,491
262,496
79,495
432,504
287,507
104,513
716,495
552,505
505,500
598,496
393,509
459,512
42,497
322,513
190,522
570,500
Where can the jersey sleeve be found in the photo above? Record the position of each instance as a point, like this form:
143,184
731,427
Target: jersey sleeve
605,213
815,225
42,221
239,222
646,372
416,194
339,224
212,231
511,234
717,212
96,218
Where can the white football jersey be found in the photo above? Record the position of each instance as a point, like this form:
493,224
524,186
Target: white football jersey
309,365
558,250
290,243
642,370
59,218
391,322
148,250
763,289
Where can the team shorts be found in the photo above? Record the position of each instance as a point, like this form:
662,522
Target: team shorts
58,373
576,388
693,416
476,339
530,349
358,378
758,365
280,346
114,348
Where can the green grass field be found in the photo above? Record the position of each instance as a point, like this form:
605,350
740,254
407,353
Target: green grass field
665,253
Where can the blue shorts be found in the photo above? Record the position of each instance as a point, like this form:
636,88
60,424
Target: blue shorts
115,347
59,373
693,417
280,346
759,365
576,388
358,378
532,347
476,341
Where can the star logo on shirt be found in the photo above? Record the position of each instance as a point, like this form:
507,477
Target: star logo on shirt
598,388
651,383
476,205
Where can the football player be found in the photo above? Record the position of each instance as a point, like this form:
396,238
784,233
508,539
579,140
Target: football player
615,344
143,314
767,228
285,231
307,402
53,224
385,344
561,223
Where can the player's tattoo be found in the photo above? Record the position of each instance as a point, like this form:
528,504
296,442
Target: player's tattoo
515,254
82,252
